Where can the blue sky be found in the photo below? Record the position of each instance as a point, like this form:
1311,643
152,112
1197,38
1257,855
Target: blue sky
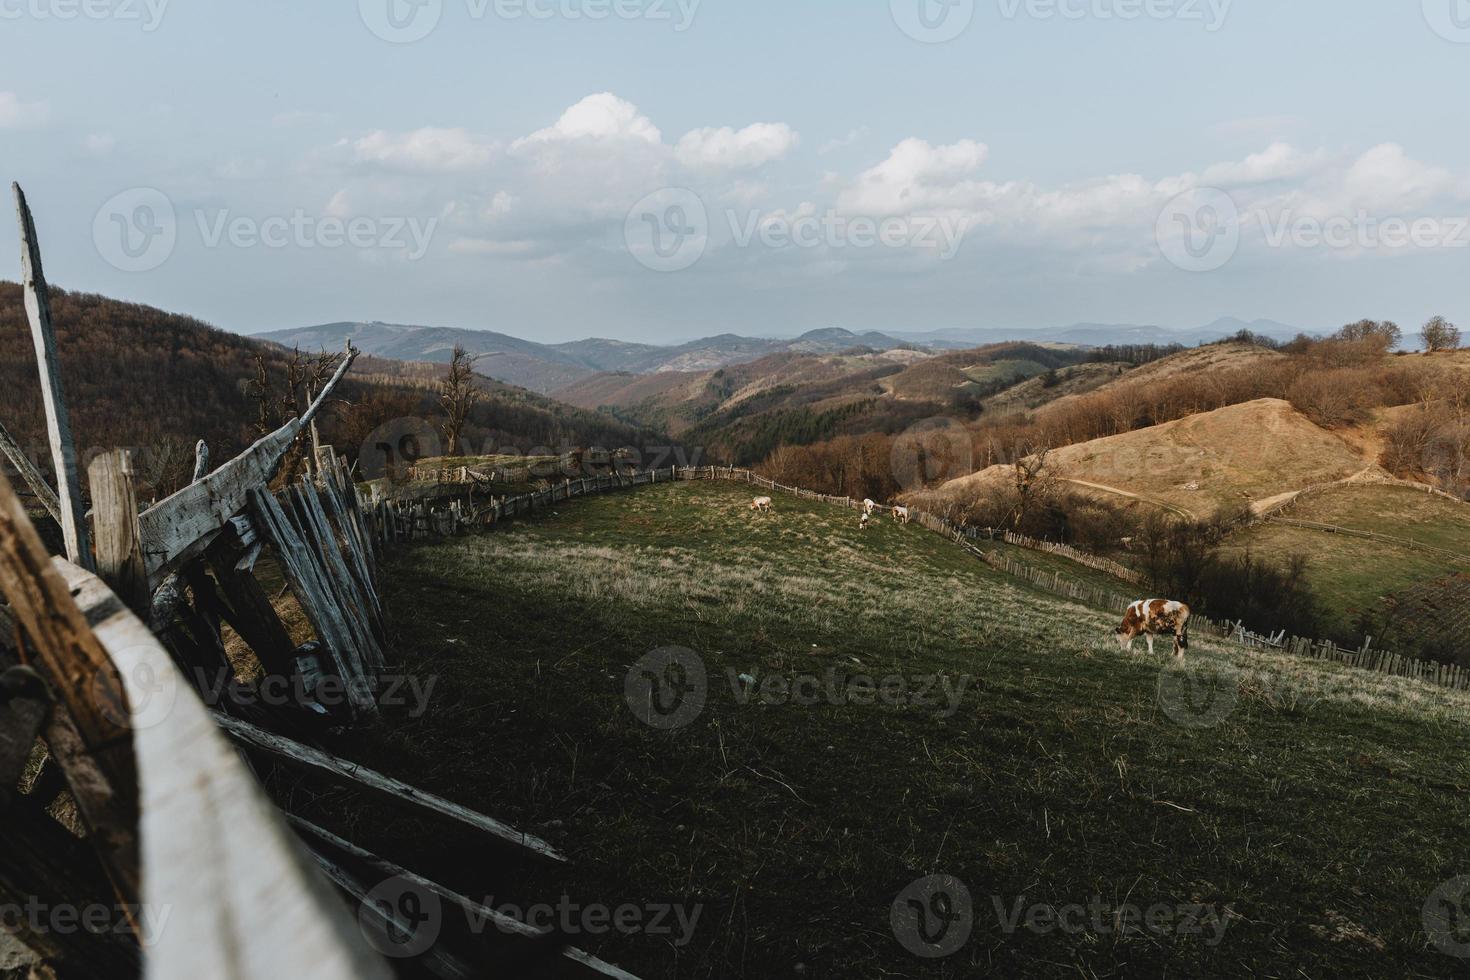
678,168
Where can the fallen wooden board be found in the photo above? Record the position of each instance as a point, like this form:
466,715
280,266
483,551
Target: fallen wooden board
386,787
180,527
578,965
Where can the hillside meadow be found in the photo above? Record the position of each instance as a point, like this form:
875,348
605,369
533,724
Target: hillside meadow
1269,816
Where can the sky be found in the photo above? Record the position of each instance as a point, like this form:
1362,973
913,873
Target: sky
658,170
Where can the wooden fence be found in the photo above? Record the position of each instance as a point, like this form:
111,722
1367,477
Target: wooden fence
109,679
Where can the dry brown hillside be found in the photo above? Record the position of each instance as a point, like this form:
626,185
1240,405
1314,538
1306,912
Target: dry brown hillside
1240,454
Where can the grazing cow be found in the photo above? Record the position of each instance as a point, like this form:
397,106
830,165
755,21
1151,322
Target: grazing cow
762,504
901,514
1152,617
865,522
868,507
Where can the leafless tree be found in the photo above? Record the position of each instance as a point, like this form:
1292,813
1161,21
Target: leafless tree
1440,334
458,394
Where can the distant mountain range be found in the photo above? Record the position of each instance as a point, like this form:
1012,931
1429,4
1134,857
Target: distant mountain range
1104,334
547,367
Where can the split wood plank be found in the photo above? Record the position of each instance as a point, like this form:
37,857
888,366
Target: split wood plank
219,857
350,598
182,526
252,614
305,578
386,787
88,732
53,396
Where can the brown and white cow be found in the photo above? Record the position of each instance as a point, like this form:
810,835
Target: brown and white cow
1152,617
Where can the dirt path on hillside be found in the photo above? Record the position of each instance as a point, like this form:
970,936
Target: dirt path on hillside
1131,496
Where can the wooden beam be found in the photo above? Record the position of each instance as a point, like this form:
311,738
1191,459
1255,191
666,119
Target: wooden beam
58,420
88,733
30,474
241,900
180,528
385,787
579,964
115,527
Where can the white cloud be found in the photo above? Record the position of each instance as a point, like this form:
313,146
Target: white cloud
597,117
427,150
916,175
1279,161
15,114
727,149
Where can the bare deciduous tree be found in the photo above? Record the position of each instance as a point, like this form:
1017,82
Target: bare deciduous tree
458,394
1440,334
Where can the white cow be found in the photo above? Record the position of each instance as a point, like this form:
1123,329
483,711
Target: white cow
868,507
864,521
901,514
762,504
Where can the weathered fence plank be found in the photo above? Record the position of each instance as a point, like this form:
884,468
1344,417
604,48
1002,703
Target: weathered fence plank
53,398
385,787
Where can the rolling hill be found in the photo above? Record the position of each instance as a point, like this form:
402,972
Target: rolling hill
1056,772
1362,582
1197,465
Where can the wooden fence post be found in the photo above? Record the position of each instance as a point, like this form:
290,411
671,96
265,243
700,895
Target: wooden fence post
118,533
58,421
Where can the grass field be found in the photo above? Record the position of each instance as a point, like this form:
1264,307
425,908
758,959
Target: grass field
1351,575
1302,818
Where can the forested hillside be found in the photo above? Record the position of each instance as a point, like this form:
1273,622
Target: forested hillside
140,377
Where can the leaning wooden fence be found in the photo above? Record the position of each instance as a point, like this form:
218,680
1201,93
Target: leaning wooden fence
120,645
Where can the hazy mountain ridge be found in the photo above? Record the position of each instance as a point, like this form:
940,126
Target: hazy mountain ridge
547,367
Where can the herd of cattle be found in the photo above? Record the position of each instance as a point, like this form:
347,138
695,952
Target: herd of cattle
1146,617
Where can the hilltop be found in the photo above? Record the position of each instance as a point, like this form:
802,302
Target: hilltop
1240,454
